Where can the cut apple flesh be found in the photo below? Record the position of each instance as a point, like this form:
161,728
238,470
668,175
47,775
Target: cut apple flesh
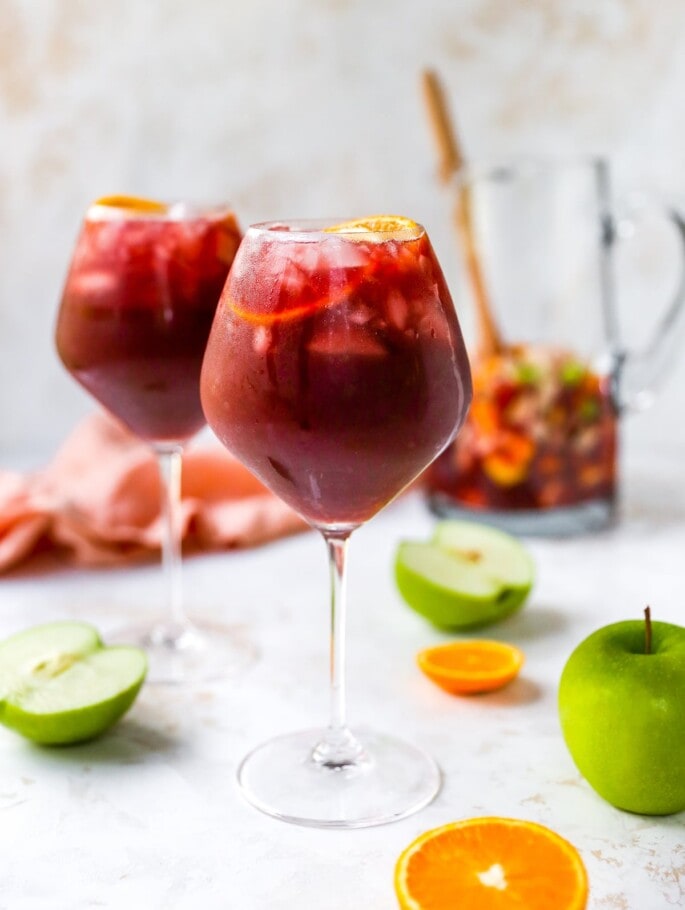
492,554
468,575
30,655
58,684
451,570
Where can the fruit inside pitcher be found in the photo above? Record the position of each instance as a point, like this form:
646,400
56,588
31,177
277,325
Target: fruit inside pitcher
541,433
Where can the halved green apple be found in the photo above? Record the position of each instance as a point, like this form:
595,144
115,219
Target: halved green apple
467,575
59,684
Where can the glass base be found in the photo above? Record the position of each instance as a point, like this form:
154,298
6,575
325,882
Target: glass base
299,778
565,521
189,652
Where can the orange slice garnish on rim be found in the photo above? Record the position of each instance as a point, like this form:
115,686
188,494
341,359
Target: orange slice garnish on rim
493,863
380,227
471,666
133,204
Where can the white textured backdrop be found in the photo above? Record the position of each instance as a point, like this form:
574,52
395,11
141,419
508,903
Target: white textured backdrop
299,107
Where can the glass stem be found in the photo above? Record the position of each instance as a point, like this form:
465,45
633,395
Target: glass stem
339,749
337,554
169,461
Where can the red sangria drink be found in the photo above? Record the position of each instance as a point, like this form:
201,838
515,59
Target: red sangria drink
336,371
137,308
136,311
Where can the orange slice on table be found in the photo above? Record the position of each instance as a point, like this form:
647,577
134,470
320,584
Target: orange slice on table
378,227
491,864
134,204
471,666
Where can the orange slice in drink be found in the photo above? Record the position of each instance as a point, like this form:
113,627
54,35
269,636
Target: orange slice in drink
378,228
293,313
491,864
132,204
471,666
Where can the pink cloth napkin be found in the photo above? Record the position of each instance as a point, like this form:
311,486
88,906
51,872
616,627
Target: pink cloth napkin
98,502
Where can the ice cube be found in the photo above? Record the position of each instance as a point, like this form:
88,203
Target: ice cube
292,280
346,254
241,267
261,339
179,211
427,269
93,284
397,309
360,313
273,258
346,340
309,257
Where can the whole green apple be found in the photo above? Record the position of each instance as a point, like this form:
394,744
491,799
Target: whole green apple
622,713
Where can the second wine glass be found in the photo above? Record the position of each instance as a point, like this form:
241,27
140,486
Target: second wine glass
136,310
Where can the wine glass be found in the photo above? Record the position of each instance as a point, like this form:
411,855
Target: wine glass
135,314
336,371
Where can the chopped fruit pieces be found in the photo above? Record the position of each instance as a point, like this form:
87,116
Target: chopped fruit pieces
534,407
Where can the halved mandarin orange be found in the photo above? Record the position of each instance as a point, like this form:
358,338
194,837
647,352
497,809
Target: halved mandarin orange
380,227
132,204
471,666
491,864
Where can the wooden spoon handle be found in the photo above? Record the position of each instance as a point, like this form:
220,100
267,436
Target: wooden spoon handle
451,159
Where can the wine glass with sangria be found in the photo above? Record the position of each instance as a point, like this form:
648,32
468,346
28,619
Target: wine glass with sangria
136,310
336,371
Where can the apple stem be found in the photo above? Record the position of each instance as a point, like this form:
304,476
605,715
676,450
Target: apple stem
648,630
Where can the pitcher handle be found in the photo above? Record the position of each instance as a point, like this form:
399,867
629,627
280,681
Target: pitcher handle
640,370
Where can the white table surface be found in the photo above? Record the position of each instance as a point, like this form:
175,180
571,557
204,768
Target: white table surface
150,817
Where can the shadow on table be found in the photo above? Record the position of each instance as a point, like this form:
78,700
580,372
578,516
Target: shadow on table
131,741
522,691
639,823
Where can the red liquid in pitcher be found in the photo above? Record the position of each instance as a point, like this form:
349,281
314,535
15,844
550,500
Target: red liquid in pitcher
541,434
136,311
336,369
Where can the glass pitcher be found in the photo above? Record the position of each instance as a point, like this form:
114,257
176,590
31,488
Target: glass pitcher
552,370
